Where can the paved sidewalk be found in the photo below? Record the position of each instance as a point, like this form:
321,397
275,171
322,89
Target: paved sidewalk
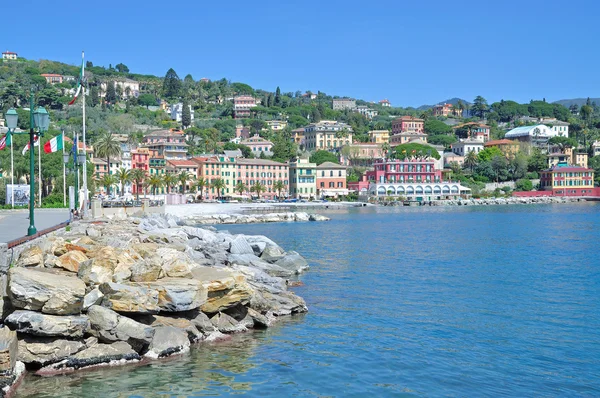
14,224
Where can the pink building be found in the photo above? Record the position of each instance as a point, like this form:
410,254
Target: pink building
408,124
442,110
242,105
258,145
266,172
242,132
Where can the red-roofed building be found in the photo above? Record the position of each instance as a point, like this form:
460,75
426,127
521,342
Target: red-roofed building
187,166
568,180
442,110
385,102
52,78
9,55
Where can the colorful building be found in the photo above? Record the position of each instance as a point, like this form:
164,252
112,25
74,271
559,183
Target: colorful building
361,154
213,167
242,105
326,134
258,145
169,144
405,138
339,104
408,124
180,166
568,180
276,125
9,55
266,172
385,103
476,131
442,110
52,78
331,180
379,136
303,184
508,147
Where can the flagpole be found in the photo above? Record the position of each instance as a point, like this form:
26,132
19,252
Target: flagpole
64,171
39,169
12,174
85,186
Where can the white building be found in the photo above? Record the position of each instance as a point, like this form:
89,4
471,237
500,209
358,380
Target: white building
176,112
366,111
462,148
9,55
339,104
537,135
128,87
559,127
596,148
327,134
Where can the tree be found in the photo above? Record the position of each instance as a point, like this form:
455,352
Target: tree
138,176
537,161
183,177
200,184
107,181
517,166
278,186
111,94
146,100
155,182
186,115
435,127
122,68
124,176
321,156
278,97
258,188
107,147
94,95
444,140
240,188
479,107
171,85
471,160
500,166
404,151
169,180
523,185
489,153
219,186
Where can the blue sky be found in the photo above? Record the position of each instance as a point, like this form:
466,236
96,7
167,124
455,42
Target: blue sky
414,53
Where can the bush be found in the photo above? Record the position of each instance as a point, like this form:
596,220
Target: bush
54,200
506,190
532,176
523,185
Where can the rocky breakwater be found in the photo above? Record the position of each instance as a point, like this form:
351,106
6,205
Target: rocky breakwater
211,219
508,201
137,289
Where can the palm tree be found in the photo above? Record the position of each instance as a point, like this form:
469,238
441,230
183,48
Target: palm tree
124,176
107,180
240,188
155,182
183,178
219,185
471,160
258,188
169,180
107,146
385,149
200,184
138,176
278,186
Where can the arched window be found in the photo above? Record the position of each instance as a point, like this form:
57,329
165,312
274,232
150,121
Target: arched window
419,190
410,190
454,189
437,189
428,189
446,189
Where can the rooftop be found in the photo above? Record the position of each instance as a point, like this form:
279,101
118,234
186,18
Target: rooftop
266,162
501,142
182,163
330,165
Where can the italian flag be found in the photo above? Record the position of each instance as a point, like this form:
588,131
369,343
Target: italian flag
80,82
36,142
55,144
5,141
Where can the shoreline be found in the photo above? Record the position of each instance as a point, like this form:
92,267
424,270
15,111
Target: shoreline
136,290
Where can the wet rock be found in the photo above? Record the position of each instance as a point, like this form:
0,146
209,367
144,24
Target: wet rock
260,319
42,290
37,324
108,326
317,217
178,294
281,303
92,356
203,323
130,299
31,257
293,261
168,340
194,335
71,260
41,351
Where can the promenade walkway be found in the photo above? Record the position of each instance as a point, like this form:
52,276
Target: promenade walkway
14,224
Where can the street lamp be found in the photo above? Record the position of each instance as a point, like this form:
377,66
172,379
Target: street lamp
40,119
78,159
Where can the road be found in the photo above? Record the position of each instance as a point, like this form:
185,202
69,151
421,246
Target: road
14,224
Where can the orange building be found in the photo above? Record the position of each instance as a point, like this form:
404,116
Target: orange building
567,180
331,180
442,110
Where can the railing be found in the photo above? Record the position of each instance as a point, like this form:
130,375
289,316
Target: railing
25,239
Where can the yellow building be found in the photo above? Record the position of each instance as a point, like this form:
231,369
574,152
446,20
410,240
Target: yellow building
276,125
568,180
379,136
507,147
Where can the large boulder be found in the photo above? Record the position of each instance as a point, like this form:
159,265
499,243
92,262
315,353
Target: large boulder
45,291
168,340
193,333
108,327
178,294
34,323
293,261
43,351
239,245
281,303
175,263
202,322
8,351
71,260
128,298
31,257
100,268
225,289
94,297
146,270
272,254
146,249
253,261
226,324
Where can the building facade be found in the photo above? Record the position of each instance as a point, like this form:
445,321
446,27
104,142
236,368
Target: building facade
331,180
266,172
326,135
339,104
408,124
366,111
169,144
129,87
303,183
9,55
379,136
258,145
463,147
276,125
385,103
568,180
508,147
405,138
442,110
361,154
177,112
52,78
242,105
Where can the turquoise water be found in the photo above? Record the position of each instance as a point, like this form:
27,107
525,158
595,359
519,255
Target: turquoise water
483,301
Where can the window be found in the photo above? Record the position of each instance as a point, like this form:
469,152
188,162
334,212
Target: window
322,185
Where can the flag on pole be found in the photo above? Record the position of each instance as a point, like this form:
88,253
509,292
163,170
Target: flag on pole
54,145
5,141
36,142
80,81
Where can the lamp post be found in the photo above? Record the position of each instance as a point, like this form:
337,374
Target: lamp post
78,159
11,121
40,119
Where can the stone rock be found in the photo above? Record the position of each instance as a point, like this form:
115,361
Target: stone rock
37,324
72,247
281,303
128,298
98,354
101,266
272,254
93,232
168,340
258,247
200,233
121,274
31,257
146,249
225,289
260,319
293,261
146,270
175,263
94,297
71,260
178,294
44,351
108,326
301,217
317,217
194,335
55,246
239,245
226,324
203,323
8,351
85,240
45,291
